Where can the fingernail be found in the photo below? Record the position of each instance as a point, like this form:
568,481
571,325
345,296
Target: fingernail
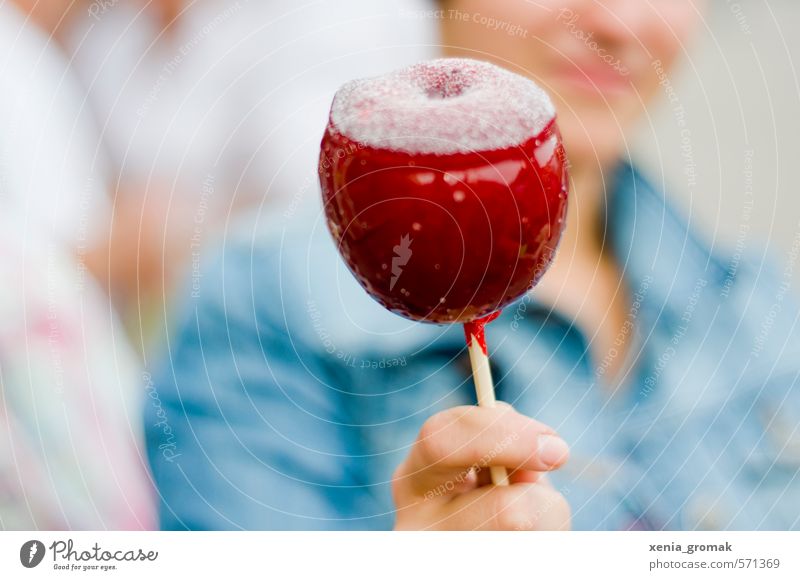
553,450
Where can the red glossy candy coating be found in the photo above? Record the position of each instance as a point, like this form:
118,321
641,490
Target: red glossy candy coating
445,238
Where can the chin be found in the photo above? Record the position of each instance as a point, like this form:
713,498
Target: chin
593,139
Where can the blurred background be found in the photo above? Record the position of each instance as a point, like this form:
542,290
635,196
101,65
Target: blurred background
740,92
139,133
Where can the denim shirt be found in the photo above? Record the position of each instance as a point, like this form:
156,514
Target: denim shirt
289,396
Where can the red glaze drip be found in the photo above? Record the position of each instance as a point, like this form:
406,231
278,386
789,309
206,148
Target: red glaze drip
477,329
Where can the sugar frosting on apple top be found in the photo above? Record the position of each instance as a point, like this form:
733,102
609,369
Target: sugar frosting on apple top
444,106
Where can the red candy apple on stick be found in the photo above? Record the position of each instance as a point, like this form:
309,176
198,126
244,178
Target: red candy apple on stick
445,189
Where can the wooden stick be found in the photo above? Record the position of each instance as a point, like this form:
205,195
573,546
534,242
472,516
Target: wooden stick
484,388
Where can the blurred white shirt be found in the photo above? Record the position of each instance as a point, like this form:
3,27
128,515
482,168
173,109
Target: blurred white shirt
51,167
71,388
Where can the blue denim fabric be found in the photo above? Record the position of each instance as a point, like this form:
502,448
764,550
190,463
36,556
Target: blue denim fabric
288,396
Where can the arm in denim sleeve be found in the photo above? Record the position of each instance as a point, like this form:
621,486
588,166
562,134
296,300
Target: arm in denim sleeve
246,429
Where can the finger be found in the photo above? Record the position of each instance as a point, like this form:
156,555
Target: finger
521,506
455,440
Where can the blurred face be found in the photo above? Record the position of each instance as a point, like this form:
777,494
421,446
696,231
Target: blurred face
168,11
600,60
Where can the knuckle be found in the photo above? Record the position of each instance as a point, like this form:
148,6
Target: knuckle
509,512
529,427
516,426
538,508
480,420
513,520
432,441
552,511
564,513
